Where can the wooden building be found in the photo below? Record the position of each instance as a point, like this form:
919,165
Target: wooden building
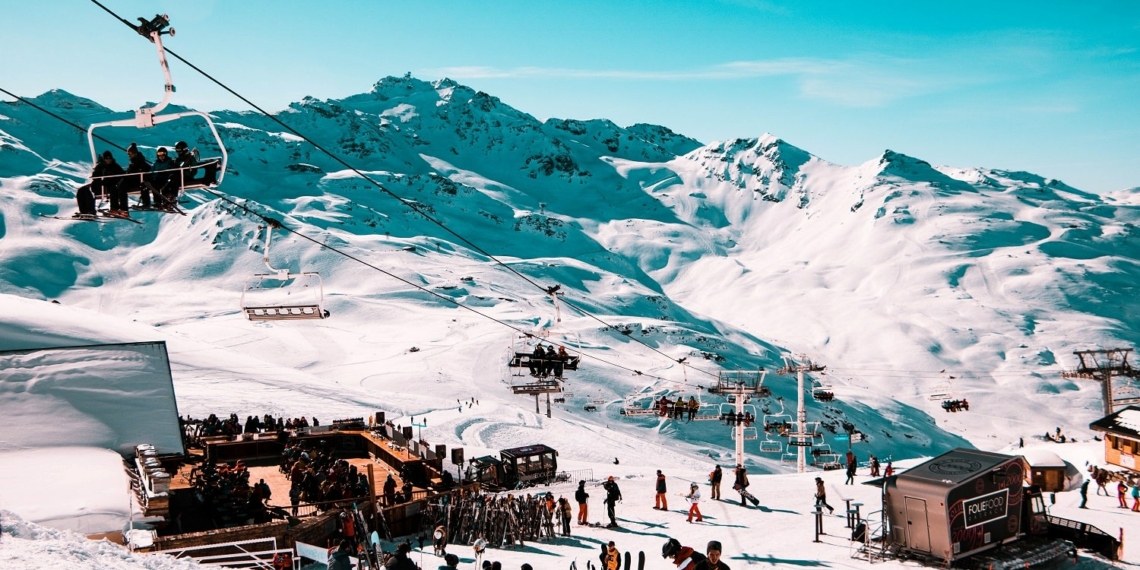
1121,437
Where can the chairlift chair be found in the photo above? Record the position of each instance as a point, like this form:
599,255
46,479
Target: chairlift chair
769,445
707,412
262,301
147,117
789,457
636,406
749,433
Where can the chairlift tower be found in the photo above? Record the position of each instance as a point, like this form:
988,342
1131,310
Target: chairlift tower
741,383
801,438
1102,365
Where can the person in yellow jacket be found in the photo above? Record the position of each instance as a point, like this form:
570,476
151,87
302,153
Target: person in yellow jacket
613,557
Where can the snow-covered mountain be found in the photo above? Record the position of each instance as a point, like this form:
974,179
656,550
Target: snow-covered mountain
903,278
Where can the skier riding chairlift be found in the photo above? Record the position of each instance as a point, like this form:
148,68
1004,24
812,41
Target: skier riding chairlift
148,117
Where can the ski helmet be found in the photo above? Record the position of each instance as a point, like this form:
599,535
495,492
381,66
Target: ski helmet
670,548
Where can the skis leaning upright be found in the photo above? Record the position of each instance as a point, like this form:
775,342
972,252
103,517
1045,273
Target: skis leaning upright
641,560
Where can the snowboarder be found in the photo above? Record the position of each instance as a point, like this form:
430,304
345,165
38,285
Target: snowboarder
715,478
712,562
741,484
581,496
694,498
660,503
821,495
613,496
684,557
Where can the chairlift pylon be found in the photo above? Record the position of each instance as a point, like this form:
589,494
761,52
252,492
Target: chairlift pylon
147,117
261,302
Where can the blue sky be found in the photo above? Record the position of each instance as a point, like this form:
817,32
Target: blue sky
1048,87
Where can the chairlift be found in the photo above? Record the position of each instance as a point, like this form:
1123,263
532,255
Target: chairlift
638,406
748,433
778,423
770,445
789,457
523,359
147,117
281,295
707,412
828,461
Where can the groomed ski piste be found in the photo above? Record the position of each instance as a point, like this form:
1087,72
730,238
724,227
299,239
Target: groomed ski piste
905,279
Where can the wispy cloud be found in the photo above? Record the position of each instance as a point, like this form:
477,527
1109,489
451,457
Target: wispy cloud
866,81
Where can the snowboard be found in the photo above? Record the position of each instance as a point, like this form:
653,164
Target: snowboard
749,497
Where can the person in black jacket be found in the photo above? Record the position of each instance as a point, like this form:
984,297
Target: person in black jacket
741,484
712,560
581,496
715,479
613,495
660,503
138,165
164,190
99,186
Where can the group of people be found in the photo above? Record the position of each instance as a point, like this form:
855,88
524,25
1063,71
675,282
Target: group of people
316,476
823,395
739,418
962,405
225,491
1127,486
547,361
232,426
678,409
157,183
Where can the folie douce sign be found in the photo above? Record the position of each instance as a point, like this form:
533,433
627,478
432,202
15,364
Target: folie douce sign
986,508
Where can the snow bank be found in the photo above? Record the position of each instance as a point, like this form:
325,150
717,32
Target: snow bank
82,489
28,546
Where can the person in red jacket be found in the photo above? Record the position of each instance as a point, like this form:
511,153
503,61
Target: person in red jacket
684,557
660,503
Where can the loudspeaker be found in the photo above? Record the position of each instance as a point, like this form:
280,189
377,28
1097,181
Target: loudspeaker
440,451
379,418
408,433
457,456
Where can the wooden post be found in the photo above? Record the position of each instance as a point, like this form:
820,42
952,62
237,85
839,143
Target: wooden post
372,498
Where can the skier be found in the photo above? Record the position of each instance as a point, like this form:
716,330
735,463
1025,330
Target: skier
741,484
137,165
1084,494
538,361
613,557
684,558
439,540
1101,481
821,495
160,183
1122,494
660,503
581,496
99,186
715,478
694,405
564,515
613,495
694,497
712,562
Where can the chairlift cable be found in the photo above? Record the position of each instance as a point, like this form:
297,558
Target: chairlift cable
273,223
411,205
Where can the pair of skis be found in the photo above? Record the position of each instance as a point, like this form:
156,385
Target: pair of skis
628,563
101,217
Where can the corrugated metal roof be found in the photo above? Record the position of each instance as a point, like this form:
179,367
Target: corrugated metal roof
1126,422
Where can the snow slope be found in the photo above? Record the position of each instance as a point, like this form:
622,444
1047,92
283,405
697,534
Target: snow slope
903,278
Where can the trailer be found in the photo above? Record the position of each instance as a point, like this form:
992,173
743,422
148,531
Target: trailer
958,504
